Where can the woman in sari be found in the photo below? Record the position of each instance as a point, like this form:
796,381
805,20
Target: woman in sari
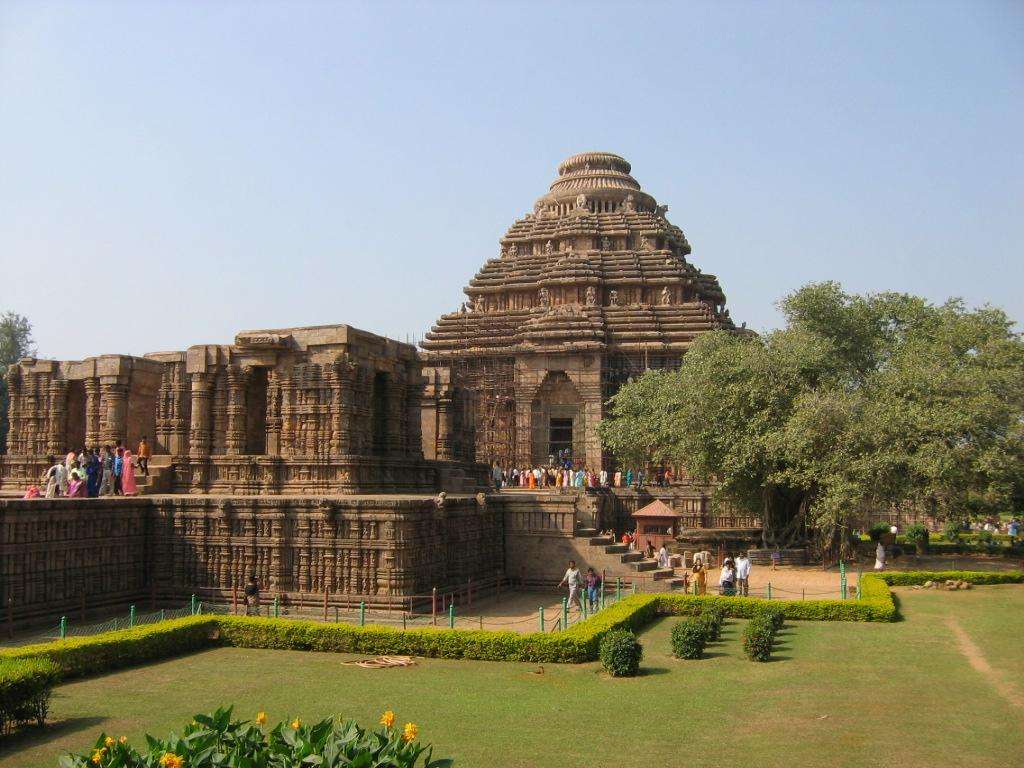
76,486
700,578
128,486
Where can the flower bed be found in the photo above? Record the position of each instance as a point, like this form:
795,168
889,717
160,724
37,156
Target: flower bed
241,743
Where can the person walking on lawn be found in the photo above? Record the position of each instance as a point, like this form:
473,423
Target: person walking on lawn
573,579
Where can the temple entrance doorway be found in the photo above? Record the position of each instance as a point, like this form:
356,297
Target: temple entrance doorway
256,412
556,421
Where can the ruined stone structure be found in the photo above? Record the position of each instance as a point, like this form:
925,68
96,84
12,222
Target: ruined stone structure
591,288
329,409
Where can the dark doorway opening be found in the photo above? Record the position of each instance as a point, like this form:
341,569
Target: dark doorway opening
75,432
560,436
256,412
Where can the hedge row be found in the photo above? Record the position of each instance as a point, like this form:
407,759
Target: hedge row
25,687
910,578
580,643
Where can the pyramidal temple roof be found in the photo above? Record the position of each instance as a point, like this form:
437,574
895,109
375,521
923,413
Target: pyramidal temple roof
597,265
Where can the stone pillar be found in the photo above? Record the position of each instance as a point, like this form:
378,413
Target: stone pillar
57,414
199,434
413,426
234,443
288,394
444,441
92,412
113,409
16,437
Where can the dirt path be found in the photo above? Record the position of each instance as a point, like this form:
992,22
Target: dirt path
977,660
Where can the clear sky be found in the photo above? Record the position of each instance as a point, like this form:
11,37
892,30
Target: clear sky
171,173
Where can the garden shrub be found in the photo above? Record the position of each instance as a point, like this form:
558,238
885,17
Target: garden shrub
25,688
773,613
878,530
758,637
689,637
621,653
910,578
218,739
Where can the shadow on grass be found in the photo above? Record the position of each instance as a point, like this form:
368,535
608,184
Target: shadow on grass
35,736
652,671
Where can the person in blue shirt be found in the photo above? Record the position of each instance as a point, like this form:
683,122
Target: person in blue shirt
118,468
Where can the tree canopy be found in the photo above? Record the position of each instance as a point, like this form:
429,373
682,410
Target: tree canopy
15,343
860,401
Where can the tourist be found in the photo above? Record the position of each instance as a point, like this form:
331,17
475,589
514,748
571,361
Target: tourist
56,478
76,486
669,476
32,492
128,486
727,578
92,474
118,468
776,559
572,579
663,557
106,471
743,574
700,577
650,550
142,456
593,587
1013,530
252,596
880,557
629,478
604,478
618,478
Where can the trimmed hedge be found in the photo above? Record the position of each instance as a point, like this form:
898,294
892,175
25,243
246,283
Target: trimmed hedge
758,637
621,653
689,637
911,578
25,688
580,643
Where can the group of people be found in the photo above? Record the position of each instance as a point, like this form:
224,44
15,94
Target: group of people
734,578
576,581
567,475
106,471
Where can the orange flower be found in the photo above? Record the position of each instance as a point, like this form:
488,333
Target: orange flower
411,732
123,739
296,724
109,741
97,756
171,760
387,719
261,718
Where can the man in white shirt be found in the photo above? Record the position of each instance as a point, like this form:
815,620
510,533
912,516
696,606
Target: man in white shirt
742,574
573,580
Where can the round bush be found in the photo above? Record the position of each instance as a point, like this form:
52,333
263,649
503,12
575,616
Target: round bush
715,616
774,614
688,639
621,653
758,638
711,628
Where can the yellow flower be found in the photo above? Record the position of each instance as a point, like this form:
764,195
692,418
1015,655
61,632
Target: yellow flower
171,760
123,739
109,741
410,732
296,724
97,756
387,719
261,718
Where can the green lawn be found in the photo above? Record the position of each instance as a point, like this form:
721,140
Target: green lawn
839,694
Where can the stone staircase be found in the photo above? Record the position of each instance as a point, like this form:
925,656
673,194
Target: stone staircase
161,476
627,564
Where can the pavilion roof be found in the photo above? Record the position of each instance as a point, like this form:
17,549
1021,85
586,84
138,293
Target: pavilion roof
656,508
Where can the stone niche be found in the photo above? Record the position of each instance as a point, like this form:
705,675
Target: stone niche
324,409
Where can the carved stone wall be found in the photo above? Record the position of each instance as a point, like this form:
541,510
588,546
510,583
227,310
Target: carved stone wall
58,555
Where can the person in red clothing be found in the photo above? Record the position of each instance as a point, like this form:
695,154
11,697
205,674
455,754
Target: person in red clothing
142,456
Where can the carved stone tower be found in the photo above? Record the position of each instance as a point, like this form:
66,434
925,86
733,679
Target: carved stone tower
590,289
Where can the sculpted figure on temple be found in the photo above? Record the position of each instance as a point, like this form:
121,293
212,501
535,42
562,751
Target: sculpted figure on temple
581,202
591,296
549,248
629,206
666,296
645,244
513,250
613,298
538,210
606,244
543,297
661,210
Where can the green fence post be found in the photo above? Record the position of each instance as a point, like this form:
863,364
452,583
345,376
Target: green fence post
632,586
193,608
277,606
618,588
403,619
565,612
362,614
63,627
769,590
131,616
451,615
583,605
540,616
842,580
858,584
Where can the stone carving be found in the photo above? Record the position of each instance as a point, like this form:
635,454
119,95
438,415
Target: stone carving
543,297
591,296
645,244
629,204
513,250
270,340
666,296
606,244
549,248
613,298
581,202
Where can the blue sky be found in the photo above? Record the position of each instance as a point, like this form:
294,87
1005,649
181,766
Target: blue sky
171,173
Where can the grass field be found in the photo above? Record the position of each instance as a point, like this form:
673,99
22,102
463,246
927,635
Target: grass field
945,687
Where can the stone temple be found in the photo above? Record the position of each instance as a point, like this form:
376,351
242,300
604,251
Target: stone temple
593,287
314,456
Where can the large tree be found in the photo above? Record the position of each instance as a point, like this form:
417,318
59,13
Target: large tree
859,402
15,343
